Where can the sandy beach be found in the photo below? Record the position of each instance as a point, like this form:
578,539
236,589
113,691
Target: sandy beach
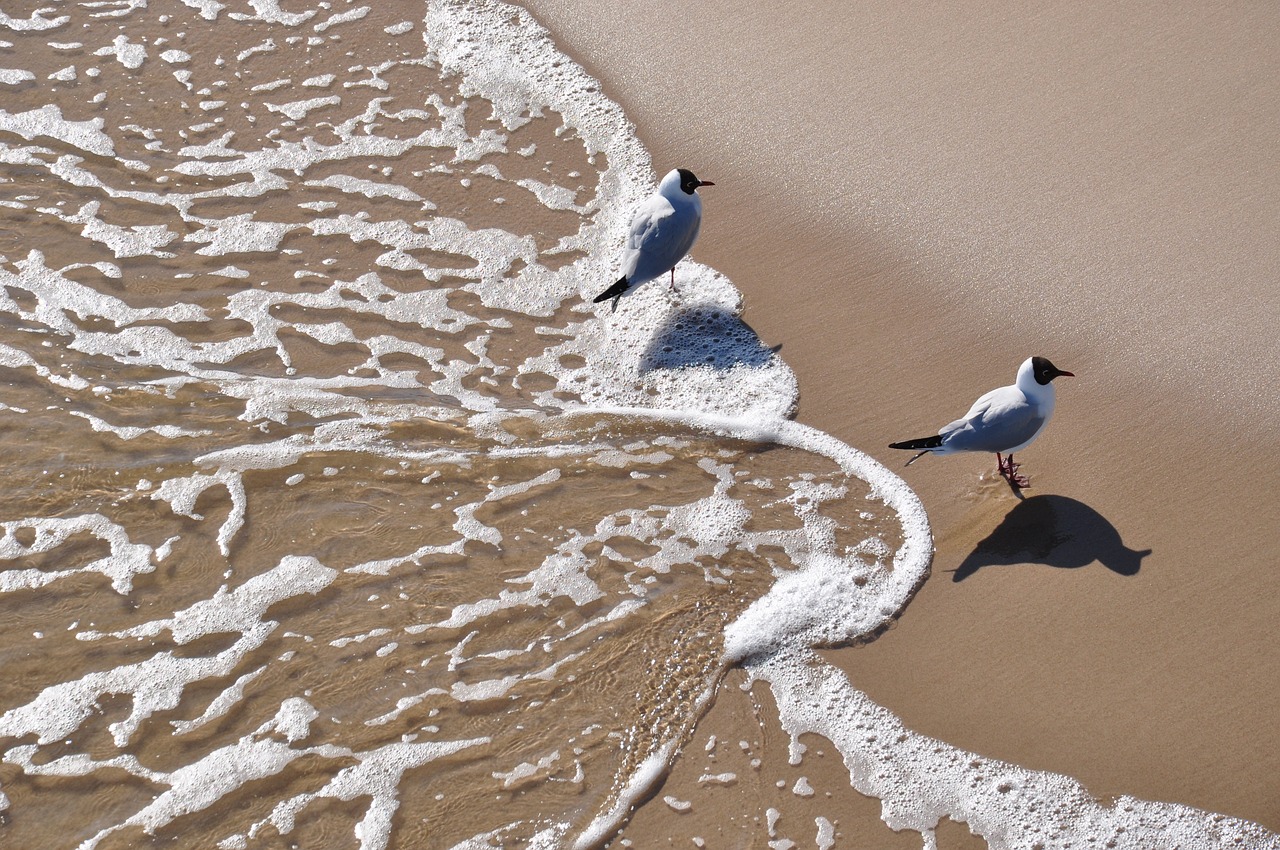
912,201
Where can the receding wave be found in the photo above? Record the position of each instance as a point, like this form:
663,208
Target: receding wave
338,517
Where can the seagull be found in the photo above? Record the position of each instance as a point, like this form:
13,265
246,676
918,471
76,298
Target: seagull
1003,421
663,230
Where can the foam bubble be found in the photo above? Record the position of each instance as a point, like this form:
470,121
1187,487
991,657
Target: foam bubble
220,705
126,560
155,684
14,76
47,121
37,22
298,109
826,833
126,52
241,610
343,18
269,11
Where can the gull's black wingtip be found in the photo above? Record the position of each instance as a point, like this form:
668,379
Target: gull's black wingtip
612,292
933,442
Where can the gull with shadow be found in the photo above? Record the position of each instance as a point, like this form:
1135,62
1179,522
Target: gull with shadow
663,229
1057,531
1002,421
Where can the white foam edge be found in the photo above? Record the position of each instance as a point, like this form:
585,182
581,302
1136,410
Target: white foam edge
623,609
489,689
266,398
240,233
713,522
15,76
224,235
297,110
14,358
501,53
129,54
131,432
646,776
157,683
622,352
182,492
919,780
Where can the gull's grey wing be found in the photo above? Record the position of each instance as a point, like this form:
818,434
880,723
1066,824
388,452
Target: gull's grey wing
660,236
1001,420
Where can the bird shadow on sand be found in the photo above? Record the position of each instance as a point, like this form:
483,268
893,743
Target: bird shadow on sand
1057,531
705,335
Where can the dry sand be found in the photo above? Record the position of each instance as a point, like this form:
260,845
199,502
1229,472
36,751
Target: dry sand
913,200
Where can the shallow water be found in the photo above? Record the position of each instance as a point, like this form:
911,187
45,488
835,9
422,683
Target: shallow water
338,516
300,542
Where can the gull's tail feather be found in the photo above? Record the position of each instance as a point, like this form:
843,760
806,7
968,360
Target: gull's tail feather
614,291
925,444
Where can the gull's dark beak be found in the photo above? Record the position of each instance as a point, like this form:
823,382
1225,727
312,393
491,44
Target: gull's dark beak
1062,374
705,183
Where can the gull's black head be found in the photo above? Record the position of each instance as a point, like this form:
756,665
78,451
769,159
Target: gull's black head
1046,371
689,182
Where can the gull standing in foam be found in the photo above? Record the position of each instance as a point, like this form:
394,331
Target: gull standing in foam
1004,420
663,230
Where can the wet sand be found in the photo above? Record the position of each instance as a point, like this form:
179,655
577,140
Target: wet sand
912,201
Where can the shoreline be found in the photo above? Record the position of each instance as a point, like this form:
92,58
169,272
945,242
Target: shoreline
1150,676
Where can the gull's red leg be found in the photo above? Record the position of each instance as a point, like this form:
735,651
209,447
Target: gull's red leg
1009,472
